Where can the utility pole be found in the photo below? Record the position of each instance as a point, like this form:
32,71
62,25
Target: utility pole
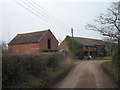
72,42
72,32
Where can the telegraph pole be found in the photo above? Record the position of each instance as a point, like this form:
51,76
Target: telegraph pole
72,32
72,42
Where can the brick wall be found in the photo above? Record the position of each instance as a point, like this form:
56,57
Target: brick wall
36,47
43,44
100,49
64,46
24,48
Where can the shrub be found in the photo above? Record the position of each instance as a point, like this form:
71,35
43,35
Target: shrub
76,49
52,61
10,69
111,70
115,55
57,75
17,68
116,59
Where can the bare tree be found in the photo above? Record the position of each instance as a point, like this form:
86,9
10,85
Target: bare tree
4,47
108,24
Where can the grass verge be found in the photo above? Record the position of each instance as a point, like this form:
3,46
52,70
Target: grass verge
102,58
49,80
111,70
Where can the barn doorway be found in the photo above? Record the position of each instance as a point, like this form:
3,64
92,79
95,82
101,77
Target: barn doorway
49,43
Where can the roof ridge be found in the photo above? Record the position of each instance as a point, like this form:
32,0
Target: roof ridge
34,32
31,37
89,38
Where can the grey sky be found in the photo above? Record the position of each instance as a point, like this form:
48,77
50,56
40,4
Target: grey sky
16,19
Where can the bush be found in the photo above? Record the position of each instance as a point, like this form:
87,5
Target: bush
58,75
10,69
17,68
76,49
111,70
52,61
115,56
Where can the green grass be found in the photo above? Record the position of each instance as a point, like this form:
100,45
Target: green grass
59,74
51,78
111,70
35,83
66,68
102,58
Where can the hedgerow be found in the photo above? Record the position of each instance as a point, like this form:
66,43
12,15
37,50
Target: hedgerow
18,68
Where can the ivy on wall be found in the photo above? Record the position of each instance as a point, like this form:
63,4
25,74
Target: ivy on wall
75,47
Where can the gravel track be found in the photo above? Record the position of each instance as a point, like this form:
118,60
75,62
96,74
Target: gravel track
87,74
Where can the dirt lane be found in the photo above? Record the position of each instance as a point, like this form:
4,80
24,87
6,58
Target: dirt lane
87,74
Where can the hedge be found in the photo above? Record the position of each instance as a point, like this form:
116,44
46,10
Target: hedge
17,68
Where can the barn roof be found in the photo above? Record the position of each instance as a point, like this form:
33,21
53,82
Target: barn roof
28,37
89,41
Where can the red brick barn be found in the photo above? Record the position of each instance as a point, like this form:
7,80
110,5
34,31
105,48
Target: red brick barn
93,47
34,42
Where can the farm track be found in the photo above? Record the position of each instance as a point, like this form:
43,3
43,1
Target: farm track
87,74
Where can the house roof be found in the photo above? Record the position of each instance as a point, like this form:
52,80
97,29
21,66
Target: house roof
89,41
25,38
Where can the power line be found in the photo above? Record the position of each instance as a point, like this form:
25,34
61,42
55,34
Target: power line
46,14
38,15
39,12
42,15
49,14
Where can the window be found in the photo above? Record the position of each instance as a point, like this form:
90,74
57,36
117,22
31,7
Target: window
49,43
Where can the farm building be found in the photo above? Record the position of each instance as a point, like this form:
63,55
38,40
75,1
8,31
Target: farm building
35,42
91,47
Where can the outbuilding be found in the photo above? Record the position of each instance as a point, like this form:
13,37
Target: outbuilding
34,42
91,47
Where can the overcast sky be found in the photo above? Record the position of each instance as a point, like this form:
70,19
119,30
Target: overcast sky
22,16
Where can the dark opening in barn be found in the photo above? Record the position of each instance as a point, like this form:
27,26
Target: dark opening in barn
49,43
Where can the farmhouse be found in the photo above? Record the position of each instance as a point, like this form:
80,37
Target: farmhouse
35,42
91,47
